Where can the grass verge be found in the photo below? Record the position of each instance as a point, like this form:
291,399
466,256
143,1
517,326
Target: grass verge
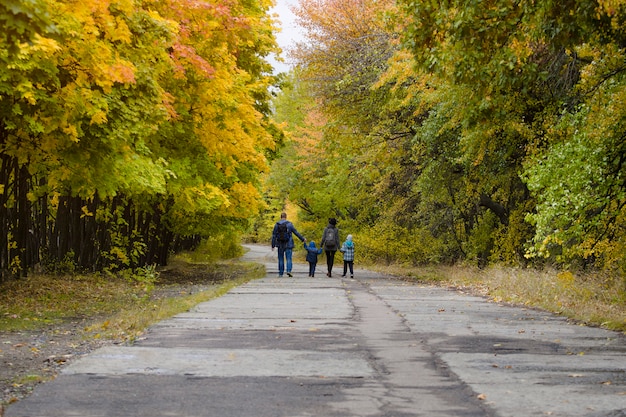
117,306
593,299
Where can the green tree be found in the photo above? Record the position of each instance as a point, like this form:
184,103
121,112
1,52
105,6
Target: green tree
523,68
464,130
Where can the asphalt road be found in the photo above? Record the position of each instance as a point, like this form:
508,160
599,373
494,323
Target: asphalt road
372,346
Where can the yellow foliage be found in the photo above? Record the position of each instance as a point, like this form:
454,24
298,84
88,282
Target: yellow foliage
41,44
93,132
119,255
98,117
119,32
611,8
85,212
72,132
245,201
566,278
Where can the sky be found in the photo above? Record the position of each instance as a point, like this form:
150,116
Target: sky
290,33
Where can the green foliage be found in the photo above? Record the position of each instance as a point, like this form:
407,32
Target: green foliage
510,242
525,64
65,266
476,132
579,182
214,248
479,242
388,243
143,278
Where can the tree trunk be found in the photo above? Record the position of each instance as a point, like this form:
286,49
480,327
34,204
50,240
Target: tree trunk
498,209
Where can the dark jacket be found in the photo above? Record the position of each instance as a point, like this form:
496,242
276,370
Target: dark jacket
325,243
291,229
312,252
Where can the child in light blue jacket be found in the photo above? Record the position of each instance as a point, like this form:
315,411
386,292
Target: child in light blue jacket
348,256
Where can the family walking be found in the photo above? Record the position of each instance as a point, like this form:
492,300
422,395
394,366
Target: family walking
282,238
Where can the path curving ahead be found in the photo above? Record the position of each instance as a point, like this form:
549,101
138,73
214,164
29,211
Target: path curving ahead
373,346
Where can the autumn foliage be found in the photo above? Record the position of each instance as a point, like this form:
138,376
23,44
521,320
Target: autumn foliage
129,128
481,132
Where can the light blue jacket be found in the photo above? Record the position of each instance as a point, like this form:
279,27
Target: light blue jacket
348,250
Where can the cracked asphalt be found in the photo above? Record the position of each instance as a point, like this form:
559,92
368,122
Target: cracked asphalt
372,346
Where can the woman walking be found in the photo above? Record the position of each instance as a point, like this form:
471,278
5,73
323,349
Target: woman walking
330,243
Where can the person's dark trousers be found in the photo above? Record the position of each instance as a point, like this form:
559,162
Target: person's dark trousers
347,264
330,260
312,268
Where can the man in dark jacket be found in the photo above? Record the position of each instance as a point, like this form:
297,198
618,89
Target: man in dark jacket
283,240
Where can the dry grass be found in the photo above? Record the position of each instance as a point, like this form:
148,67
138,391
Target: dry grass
43,300
593,299
116,306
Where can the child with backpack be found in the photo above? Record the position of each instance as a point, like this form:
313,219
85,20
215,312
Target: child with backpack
311,256
348,256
